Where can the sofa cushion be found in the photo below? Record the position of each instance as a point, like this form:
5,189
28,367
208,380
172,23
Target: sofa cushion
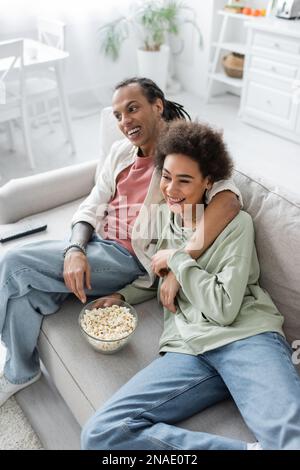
276,215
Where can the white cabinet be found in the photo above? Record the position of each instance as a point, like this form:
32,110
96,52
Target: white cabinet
271,90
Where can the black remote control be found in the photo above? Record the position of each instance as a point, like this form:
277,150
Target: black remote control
21,230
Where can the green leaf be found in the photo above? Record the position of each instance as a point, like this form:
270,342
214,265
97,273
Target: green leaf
154,18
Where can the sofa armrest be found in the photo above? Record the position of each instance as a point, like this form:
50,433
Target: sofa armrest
22,197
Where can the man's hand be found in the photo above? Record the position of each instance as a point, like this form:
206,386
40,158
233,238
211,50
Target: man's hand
168,292
108,301
159,262
76,273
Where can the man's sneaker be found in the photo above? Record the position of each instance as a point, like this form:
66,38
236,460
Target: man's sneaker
254,446
7,389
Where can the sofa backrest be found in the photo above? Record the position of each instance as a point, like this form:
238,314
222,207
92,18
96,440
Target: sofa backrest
109,132
23,197
30,195
276,215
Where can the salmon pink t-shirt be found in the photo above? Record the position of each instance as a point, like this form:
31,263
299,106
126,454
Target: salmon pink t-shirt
131,190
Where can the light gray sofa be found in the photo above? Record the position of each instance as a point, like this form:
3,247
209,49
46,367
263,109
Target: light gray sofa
77,380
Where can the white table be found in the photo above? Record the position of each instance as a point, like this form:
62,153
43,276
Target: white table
37,56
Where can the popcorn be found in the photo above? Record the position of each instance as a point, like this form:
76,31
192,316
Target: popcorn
110,325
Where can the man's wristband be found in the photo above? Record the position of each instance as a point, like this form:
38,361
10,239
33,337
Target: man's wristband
79,246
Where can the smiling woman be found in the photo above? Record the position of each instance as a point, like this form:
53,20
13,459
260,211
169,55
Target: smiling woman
224,335
181,189
186,157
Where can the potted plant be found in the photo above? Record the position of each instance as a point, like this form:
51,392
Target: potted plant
150,22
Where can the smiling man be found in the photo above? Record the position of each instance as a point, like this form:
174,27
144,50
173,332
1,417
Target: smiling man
110,245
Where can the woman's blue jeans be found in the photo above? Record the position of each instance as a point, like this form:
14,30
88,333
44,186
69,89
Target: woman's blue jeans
257,372
32,285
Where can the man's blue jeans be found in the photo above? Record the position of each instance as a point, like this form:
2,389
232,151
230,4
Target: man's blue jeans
32,285
257,372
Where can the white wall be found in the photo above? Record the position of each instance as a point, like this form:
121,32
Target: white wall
87,70
192,65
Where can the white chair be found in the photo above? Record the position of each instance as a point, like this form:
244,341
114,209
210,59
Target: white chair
51,33
42,86
13,106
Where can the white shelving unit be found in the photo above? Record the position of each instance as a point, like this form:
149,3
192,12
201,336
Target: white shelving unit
223,45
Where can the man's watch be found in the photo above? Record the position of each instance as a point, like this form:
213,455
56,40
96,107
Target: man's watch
78,245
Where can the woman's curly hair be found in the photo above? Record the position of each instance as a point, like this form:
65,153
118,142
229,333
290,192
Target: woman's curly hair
201,143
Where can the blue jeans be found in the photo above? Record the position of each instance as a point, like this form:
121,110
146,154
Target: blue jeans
257,372
32,286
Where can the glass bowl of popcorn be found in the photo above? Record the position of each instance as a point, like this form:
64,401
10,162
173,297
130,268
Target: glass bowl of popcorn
107,324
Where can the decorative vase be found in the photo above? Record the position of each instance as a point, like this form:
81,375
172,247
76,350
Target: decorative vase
154,65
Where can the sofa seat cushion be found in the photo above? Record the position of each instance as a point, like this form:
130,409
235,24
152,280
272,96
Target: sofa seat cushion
86,379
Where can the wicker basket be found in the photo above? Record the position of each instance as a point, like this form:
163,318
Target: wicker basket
233,64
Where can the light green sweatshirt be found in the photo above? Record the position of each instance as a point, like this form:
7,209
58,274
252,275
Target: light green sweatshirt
219,300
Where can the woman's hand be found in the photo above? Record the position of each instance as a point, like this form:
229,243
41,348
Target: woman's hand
108,301
168,291
77,273
159,262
